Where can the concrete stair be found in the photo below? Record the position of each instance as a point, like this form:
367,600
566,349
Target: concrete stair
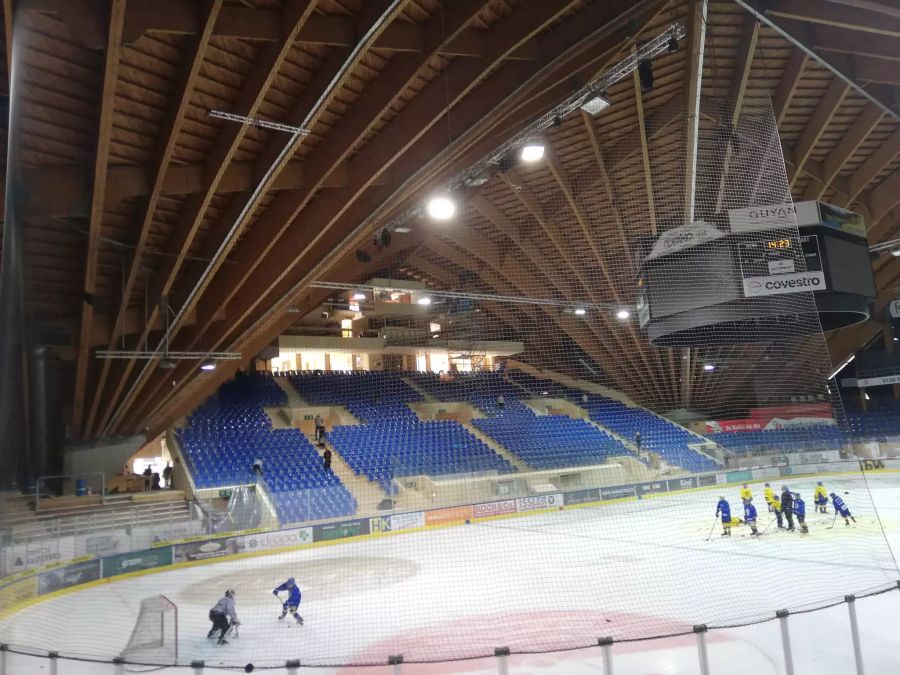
496,447
294,399
424,394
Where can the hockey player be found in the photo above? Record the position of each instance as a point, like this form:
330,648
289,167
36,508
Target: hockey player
841,508
750,516
723,508
787,507
293,600
223,616
820,497
800,512
746,494
769,496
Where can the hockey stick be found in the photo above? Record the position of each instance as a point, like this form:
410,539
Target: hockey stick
716,522
768,526
833,520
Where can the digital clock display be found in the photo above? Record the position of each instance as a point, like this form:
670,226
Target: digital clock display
779,243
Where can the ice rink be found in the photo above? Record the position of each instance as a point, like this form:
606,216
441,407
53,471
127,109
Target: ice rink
555,580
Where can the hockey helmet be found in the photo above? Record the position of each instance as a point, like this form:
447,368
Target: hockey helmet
819,483
290,581
229,593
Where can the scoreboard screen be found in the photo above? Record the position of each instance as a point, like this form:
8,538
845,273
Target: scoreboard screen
774,266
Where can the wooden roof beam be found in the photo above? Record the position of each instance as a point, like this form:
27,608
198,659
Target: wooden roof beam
825,111
787,86
645,152
101,161
250,98
865,122
828,14
180,101
263,24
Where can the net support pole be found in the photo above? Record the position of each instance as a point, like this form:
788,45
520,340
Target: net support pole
606,643
502,654
854,633
119,665
702,652
783,615
4,650
397,663
53,657
292,666
197,667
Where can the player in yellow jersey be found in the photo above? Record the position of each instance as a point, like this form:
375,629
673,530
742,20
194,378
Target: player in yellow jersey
769,495
820,498
746,494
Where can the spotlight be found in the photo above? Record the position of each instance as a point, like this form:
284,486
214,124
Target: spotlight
708,367
441,207
623,314
166,364
867,396
594,104
478,179
895,252
359,296
208,365
673,44
363,257
385,237
402,229
557,122
580,311
424,301
645,75
532,151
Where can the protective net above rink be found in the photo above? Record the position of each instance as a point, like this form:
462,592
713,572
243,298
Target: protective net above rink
534,478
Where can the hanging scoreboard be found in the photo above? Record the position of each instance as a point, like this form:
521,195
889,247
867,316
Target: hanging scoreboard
775,265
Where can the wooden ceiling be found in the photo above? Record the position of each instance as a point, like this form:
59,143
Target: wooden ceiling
147,221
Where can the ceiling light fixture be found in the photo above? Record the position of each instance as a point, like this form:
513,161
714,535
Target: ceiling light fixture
532,151
580,311
359,296
424,301
594,104
208,365
441,207
623,314
708,367
895,252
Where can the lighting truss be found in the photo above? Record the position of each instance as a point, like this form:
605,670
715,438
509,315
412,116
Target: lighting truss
258,123
512,299
173,356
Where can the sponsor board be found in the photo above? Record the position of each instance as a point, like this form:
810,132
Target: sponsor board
70,575
139,560
277,539
333,531
781,284
102,544
407,521
17,592
894,309
211,548
649,488
32,557
770,472
870,464
617,492
454,514
774,217
681,483
683,237
539,502
876,381
500,508
705,481
739,476
583,496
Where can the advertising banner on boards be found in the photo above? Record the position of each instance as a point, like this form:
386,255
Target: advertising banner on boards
139,560
649,488
704,481
539,502
583,496
205,550
617,492
681,483
70,575
501,508
348,528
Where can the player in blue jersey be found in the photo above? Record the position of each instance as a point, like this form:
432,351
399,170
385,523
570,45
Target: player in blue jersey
841,508
293,600
750,517
800,512
723,508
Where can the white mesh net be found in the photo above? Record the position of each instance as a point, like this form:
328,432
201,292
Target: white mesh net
154,638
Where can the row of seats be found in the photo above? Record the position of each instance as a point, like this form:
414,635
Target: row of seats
230,430
790,439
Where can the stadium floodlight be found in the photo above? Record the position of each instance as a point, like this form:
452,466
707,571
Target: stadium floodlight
895,252
359,296
580,311
623,314
594,104
532,151
208,365
709,367
424,301
440,207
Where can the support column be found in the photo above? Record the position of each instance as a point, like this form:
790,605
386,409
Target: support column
15,443
783,615
606,643
888,332
702,651
502,653
854,634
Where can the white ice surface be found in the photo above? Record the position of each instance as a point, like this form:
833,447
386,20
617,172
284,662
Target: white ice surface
558,580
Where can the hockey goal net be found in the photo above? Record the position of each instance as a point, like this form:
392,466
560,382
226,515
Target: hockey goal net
154,639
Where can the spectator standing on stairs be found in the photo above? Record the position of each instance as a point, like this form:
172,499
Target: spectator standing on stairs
320,427
167,475
584,399
326,459
637,440
257,467
500,401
